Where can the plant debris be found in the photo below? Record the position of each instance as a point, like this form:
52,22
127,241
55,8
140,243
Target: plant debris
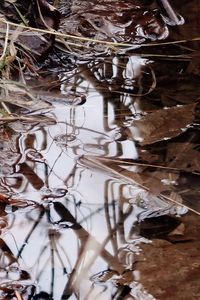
99,149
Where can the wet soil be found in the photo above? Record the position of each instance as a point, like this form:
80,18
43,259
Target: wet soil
99,180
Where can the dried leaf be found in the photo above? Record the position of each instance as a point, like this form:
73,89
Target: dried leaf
183,156
19,203
158,227
163,124
4,198
194,66
179,230
20,95
164,266
28,118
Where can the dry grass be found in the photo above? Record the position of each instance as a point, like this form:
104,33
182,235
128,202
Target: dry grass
67,39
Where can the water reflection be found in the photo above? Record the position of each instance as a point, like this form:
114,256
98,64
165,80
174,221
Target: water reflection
72,233
77,240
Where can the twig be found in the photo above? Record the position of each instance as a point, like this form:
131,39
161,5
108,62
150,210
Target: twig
27,119
141,164
56,33
94,162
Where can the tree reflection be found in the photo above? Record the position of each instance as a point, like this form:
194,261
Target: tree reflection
77,227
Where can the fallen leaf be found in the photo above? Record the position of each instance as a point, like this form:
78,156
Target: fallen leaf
179,230
158,227
183,156
194,66
21,95
165,267
162,124
41,15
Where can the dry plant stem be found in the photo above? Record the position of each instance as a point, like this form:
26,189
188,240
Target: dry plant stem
5,107
168,57
180,204
41,17
24,118
98,164
3,104
136,163
56,33
6,42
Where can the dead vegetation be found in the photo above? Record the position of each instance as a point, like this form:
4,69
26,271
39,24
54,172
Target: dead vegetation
99,151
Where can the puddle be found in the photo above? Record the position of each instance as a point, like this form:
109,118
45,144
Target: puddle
93,196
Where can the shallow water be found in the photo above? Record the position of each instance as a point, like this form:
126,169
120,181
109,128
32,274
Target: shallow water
88,201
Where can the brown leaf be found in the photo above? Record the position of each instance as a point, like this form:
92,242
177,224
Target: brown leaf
164,266
163,124
158,227
16,202
37,14
4,198
194,66
179,230
183,156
